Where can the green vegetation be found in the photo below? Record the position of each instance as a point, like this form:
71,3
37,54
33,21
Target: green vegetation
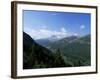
37,56
76,51
58,54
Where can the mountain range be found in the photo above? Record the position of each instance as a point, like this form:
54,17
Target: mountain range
53,52
46,41
37,56
76,49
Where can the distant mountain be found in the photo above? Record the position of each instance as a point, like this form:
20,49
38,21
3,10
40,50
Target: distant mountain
75,48
85,39
67,52
37,56
53,38
46,41
65,40
43,42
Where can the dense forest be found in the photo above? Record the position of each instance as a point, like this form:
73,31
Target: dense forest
36,56
67,52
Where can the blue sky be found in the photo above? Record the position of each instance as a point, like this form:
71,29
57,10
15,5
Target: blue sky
44,24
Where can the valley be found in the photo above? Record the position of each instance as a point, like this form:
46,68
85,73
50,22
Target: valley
70,51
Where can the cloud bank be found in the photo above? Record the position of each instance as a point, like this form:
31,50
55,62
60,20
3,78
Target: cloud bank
46,33
82,27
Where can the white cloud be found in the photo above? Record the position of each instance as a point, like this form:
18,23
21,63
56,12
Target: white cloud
75,34
63,29
82,27
45,33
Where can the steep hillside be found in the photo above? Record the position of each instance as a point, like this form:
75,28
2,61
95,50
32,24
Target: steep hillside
37,56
